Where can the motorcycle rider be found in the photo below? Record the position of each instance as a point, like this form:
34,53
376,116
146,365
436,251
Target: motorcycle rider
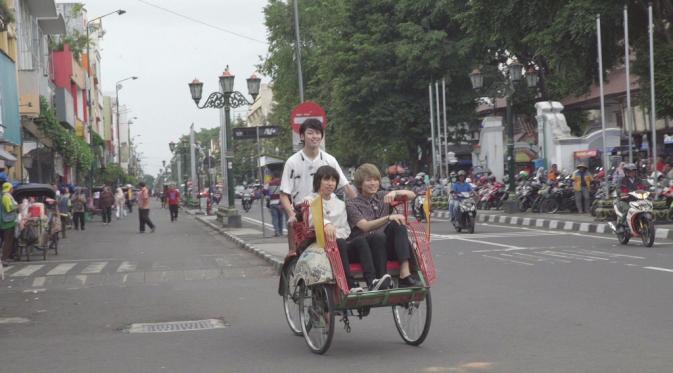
630,183
459,186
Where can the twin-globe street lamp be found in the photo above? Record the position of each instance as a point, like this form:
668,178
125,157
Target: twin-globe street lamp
506,89
227,98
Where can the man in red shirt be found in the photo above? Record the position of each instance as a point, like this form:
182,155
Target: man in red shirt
144,208
173,199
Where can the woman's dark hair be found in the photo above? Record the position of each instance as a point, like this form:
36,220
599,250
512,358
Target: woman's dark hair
324,172
313,124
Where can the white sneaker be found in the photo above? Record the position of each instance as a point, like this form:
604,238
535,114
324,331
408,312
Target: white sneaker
356,290
382,283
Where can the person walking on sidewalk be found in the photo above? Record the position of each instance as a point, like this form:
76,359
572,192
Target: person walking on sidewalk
64,209
144,208
8,210
78,201
119,203
107,199
581,185
276,210
173,199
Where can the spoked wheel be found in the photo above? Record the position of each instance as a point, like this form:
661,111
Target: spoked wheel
647,232
316,312
291,298
413,320
549,206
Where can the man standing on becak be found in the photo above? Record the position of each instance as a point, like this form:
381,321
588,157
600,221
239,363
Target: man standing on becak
297,181
144,208
172,196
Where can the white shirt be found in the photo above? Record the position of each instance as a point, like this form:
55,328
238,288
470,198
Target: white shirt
334,212
297,180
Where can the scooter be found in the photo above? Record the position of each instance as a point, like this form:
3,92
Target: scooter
467,212
639,219
247,201
417,207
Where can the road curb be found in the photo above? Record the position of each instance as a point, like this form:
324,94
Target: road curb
275,263
553,224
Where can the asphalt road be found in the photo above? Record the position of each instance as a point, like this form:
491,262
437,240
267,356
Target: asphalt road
507,300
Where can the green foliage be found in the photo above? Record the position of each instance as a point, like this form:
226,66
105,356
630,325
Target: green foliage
6,15
75,151
113,174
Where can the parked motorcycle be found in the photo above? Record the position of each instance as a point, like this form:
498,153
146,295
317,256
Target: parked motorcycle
417,207
527,195
639,219
247,201
467,212
559,198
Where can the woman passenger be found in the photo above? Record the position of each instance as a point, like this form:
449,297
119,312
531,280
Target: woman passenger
336,226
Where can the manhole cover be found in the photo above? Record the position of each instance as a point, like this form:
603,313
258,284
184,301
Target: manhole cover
176,326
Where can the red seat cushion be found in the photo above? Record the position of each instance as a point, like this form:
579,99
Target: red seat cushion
390,266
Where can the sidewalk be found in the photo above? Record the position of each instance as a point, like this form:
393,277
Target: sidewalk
249,237
570,222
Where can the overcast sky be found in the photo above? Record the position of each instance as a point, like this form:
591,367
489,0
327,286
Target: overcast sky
166,52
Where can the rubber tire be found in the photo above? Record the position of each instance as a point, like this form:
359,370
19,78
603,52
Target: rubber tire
522,205
549,206
458,228
470,223
649,240
623,238
328,290
426,326
295,329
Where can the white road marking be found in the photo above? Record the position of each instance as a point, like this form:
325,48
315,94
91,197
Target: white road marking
38,282
13,320
61,269
612,255
541,258
506,260
127,267
81,279
96,267
660,269
27,270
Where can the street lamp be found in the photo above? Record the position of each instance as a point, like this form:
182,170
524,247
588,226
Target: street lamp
118,86
227,98
89,71
506,89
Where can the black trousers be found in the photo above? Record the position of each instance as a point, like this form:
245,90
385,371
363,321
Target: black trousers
174,212
357,251
107,214
392,243
144,218
78,219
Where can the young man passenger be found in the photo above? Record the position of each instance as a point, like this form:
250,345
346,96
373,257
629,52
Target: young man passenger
368,216
336,228
297,180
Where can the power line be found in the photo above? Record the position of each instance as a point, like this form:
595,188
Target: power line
200,22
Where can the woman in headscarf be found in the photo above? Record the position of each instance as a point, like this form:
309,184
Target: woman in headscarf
119,203
7,221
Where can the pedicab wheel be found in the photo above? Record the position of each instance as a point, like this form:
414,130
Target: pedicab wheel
290,299
413,320
316,311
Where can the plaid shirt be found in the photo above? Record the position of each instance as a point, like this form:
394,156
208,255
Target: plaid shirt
369,209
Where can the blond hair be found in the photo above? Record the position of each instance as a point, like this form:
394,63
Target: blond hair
364,172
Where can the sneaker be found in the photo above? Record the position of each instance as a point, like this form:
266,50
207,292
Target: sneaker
153,230
409,282
382,283
356,290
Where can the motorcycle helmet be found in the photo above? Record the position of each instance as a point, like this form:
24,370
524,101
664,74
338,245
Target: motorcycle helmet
462,173
630,167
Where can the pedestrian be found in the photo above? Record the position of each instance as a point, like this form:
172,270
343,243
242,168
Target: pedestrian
64,209
144,208
173,200
107,200
163,196
119,203
8,213
553,174
129,198
275,208
78,203
581,185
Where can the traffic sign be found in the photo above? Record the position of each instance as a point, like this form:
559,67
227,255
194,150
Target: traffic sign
242,133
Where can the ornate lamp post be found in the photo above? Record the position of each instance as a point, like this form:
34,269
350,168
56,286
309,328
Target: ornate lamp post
506,89
227,98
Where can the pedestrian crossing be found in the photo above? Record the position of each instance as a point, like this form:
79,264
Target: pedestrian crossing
75,274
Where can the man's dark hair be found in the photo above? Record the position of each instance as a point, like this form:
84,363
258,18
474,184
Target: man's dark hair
324,172
141,184
313,124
